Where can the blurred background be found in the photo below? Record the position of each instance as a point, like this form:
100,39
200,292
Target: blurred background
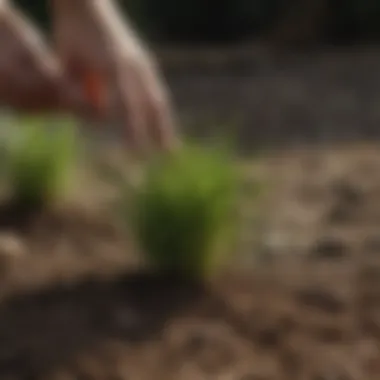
294,22
277,71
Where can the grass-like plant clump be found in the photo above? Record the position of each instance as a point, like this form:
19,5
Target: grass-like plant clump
183,211
39,158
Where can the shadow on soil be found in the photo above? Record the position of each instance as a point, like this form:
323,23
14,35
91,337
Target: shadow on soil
45,330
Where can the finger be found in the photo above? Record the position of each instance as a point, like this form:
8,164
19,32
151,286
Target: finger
130,106
159,115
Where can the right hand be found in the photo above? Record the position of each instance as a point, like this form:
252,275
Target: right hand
100,50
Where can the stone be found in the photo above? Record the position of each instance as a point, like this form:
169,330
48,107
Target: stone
11,248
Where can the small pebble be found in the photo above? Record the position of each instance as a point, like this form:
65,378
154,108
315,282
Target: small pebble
11,249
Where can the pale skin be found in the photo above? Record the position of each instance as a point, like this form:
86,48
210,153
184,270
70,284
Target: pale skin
96,45
98,69
31,77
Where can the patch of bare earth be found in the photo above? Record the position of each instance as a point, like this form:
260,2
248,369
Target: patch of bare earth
74,305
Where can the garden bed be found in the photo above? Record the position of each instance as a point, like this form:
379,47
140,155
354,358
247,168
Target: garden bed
77,302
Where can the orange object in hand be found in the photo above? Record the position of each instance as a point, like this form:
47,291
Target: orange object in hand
95,90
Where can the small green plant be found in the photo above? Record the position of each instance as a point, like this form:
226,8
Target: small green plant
39,158
183,211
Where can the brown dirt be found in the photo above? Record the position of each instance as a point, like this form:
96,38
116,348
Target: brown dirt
305,304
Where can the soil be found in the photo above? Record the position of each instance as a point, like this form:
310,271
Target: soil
301,300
